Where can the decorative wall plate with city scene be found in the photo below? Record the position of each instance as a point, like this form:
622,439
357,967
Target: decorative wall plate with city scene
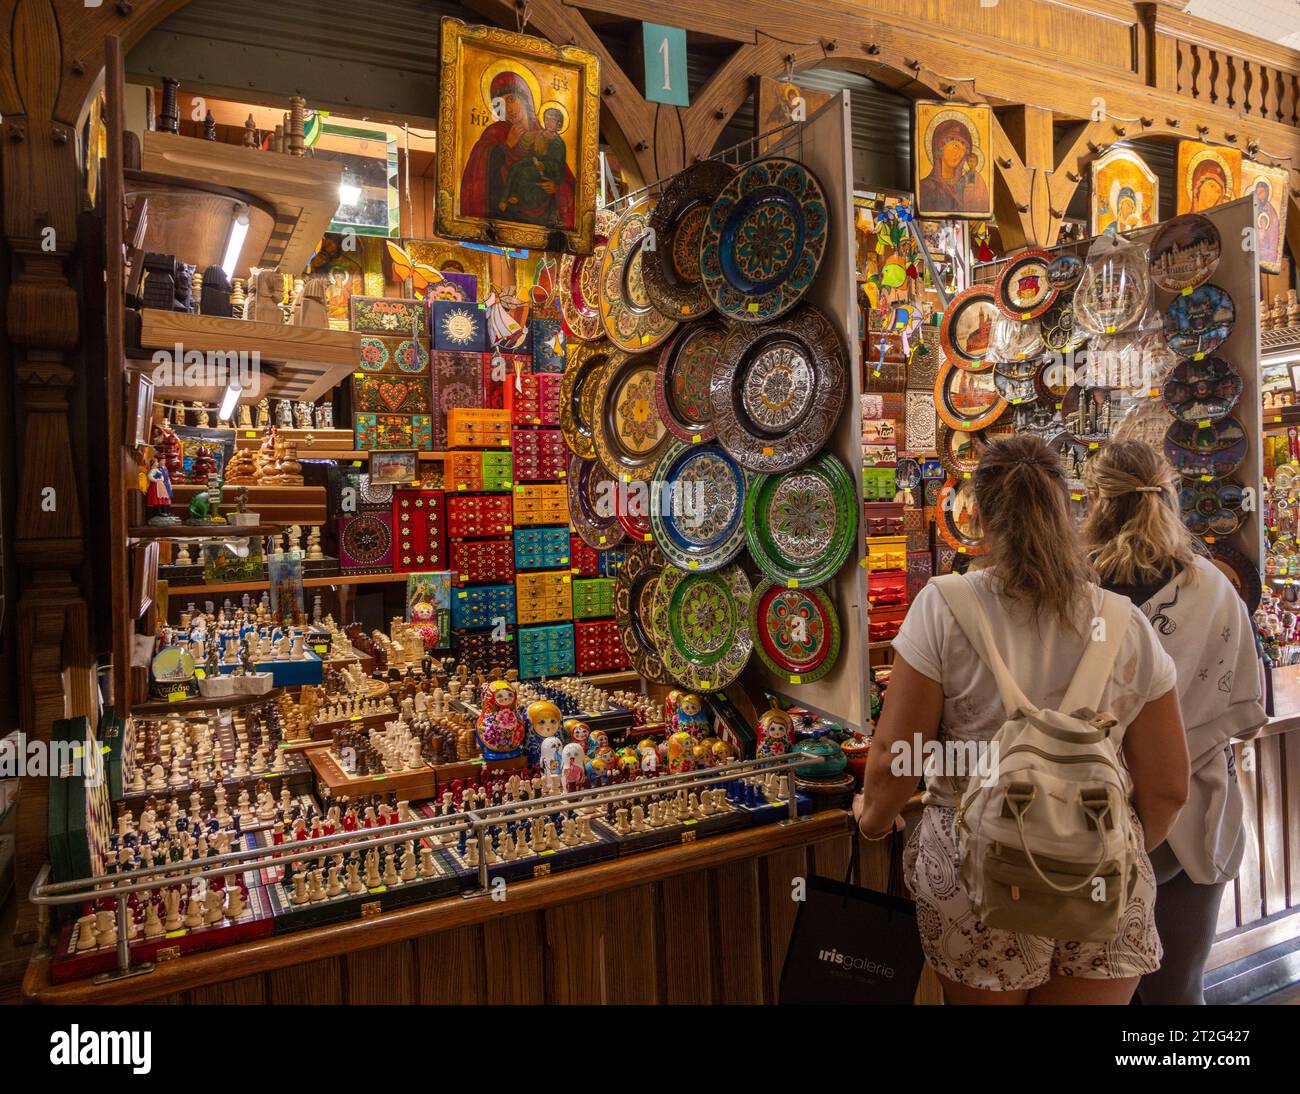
672,271
966,333
1184,252
960,450
579,285
1204,390
635,586
1210,451
1064,271
1025,289
697,506
1014,389
701,624
957,521
1212,510
796,631
1199,322
778,390
1113,292
582,375
628,434
1015,339
967,400
1090,414
764,239
631,322
1072,455
801,525
686,365
592,493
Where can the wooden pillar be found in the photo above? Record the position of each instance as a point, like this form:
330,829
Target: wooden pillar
1027,175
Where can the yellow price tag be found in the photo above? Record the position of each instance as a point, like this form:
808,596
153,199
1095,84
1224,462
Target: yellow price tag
792,583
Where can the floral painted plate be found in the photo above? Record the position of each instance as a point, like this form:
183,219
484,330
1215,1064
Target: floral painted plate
701,624
1025,289
682,389
635,586
582,375
801,525
592,498
1211,451
967,400
631,322
764,239
966,333
796,631
778,390
957,521
672,271
627,432
1202,391
579,285
697,506
1199,322
1184,252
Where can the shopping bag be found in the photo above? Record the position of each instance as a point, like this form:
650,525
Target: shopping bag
852,945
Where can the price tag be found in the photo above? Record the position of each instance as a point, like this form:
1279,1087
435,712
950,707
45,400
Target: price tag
177,696
693,564
1187,290
792,583
1198,357
695,437
796,679
753,308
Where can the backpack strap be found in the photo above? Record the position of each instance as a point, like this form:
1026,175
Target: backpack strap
1106,635
960,597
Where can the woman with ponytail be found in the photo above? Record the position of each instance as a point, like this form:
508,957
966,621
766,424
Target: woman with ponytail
1034,585
1141,549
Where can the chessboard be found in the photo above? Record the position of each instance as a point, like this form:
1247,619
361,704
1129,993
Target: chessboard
419,783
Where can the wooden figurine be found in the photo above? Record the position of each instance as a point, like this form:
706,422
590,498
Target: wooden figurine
158,497
237,298
202,418
159,288
250,133
209,127
167,448
215,292
169,115
263,413
311,310
242,468
204,465
265,287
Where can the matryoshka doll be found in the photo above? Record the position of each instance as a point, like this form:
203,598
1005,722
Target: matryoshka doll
577,732
681,752
649,757
775,733
690,716
500,730
544,720
596,741
573,768
549,762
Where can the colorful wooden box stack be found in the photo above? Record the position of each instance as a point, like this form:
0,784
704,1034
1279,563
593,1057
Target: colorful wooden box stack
544,597
541,503
546,651
419,531
482,561
597,646
583,560
483,606
540,455
468,427
593,598
536,401
541,548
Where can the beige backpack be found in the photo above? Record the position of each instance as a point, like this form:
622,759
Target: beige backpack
1046,841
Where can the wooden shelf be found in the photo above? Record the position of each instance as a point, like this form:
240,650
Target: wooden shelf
185,706
307,583
1280,417
202,531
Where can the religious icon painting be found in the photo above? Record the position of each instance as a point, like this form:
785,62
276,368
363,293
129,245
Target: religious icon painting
518,140
954,161
1125,192
1268,186
460,326
1207,176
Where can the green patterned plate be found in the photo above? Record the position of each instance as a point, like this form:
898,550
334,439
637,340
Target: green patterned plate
800,525
796,631
701,622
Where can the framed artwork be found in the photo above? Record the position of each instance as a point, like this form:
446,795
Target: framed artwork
368,200
1207,176
139,409
954,160
1125,193
395,467
518,140
144,576
1268,186
463,270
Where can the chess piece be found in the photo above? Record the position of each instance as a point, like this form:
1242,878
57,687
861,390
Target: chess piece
311,310
153,927
193,913
172,910
235,906
85,931
250,133
169,117
213,907
265,287
209,127
215,293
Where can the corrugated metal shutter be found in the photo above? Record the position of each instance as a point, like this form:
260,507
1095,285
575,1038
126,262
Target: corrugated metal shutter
882,127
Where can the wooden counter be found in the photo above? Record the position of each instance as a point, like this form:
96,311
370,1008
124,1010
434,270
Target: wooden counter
706,922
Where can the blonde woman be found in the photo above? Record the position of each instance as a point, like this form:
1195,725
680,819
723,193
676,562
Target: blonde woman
1141,549
1034,586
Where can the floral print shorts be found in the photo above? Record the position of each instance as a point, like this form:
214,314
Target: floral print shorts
960,947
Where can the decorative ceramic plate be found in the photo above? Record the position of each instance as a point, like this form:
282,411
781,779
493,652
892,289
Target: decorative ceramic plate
1199,322
1072,454
672,271
682,381
1057,325
1014,389
1025,289
1113,293
967,400
1040,418
632,510
960,450
1091,414
1199,391
796,631
763,242
628,434
697,506
631,322
1015,340
592,498
966,333
1211,451
956,519
579,285
582,375
1064,271
1212,509
1184,252
1145,420
635,586
701,625
801,525
1054,379
778,390
908,474
1238,569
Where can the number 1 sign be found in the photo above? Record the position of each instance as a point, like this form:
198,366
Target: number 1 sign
665,64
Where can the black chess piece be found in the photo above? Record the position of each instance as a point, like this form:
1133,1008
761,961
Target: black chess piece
159,289
169,115
216,291
183,286
209,127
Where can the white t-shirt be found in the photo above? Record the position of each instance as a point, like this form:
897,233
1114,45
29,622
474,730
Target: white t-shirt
1042,654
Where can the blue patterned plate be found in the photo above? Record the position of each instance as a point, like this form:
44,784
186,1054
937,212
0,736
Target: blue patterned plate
764,240
697,505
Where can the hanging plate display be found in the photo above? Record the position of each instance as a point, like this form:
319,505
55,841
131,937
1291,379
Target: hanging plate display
1014,389
1039,417
908,474
777,390
967,400
1184,252
578,387
682,381
1014,340
579,284
957,522
1072,455
796,631
1145,420
801,525
1199,322
1238,569
1212,510
635,586
1057,325
1025,289
631,321
627,432
763,242
632,510
966,333
1113,292
701,626
592,498
1198,391
672,269
1064,271
1090,414
1211,451
697,505
960,450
